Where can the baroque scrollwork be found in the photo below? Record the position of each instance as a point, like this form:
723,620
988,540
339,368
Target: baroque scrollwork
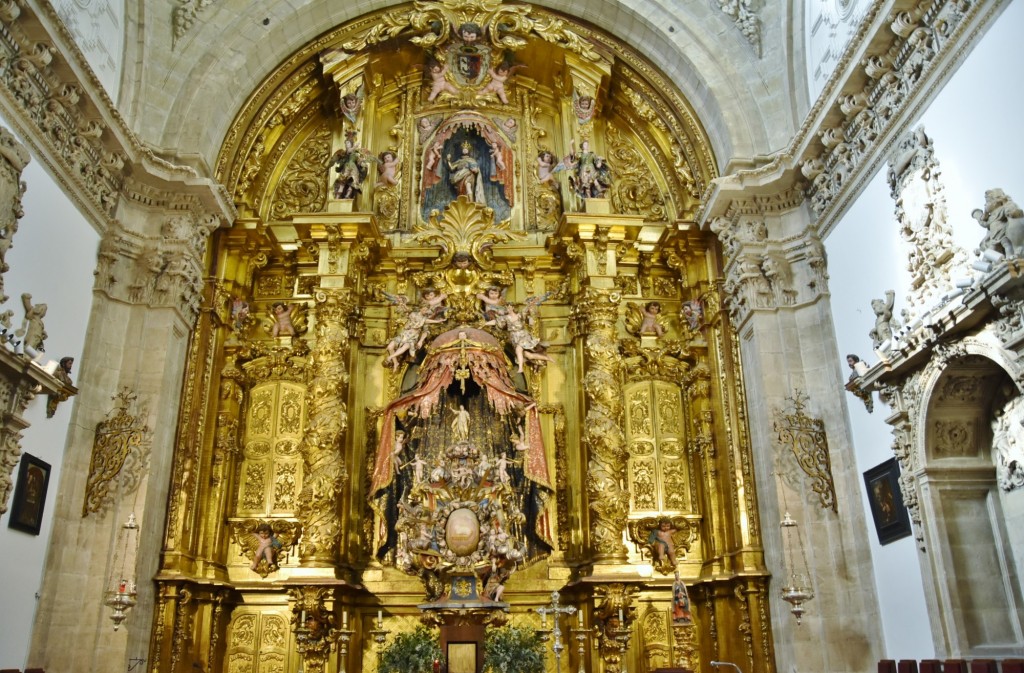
805,437
120,453
633,192
902,57
302,188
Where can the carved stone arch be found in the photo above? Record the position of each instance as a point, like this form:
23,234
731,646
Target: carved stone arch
973,564
988,360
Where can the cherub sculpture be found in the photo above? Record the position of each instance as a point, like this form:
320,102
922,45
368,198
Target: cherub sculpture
388,167
281,314
267,547
693,313
493,301
438,81
663,547
583,107
435,301
645,320
527,346
352,104
547,168
414,334
650,324
499,76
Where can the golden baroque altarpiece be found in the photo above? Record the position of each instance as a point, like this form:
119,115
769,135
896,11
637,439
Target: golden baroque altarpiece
463,337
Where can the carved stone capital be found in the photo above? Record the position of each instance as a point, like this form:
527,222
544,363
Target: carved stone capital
160,270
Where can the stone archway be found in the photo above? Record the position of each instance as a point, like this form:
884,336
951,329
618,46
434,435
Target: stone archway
975,603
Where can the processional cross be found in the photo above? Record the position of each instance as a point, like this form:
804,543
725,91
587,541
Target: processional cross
557,610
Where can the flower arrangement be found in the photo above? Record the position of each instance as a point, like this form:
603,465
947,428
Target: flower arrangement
511,649
411,652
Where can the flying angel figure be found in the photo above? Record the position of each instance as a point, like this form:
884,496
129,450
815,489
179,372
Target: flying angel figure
414,334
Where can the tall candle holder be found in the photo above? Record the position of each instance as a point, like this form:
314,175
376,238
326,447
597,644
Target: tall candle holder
344,635
380,635
581,633
621,635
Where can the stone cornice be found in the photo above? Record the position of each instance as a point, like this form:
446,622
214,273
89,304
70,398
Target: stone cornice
55,102
891,69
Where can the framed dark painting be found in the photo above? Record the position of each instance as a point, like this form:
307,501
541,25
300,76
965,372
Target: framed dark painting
892,521
29,495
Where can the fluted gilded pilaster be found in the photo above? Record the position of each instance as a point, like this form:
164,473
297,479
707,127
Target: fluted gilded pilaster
602,434
324,468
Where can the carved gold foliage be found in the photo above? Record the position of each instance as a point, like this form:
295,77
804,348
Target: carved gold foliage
303,187
289,420
387,206
654,628
507,26
465,226
243,631
634,190
640,414
261,412
609,501
642,484
668,411
254,486
674,481
284,486
805,437
268,285
118,453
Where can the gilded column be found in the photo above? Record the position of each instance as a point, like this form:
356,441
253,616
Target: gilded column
602,434
323,465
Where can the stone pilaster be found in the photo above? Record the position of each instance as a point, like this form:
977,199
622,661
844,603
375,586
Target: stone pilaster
776,295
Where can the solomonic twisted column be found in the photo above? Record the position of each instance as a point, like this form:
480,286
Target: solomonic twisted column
602,435
324,470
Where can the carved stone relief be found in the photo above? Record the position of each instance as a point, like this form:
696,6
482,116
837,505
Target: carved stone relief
915,184
1008,444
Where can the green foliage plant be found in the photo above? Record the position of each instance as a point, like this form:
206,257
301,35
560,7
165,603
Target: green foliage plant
511,649
413,652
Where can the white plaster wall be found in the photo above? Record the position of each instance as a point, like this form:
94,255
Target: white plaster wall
52,258
98,27
975,128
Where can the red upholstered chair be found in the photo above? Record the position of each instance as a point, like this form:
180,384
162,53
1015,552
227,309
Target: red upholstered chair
1013,666
907,666
955,666
984,666
10,670
34,670
931,666
887,666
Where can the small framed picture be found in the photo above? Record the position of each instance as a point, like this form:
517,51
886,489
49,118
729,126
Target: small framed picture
892,521
29,495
